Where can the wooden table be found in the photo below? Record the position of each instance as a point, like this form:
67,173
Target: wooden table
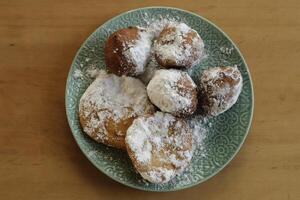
39,158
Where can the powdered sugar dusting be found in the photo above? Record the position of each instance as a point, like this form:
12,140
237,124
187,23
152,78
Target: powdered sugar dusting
155,27
138,51
111,97
155,150
222,86
173,46
143,130
93,72
163,90
78,74
150,69
199,125
90,70
159,175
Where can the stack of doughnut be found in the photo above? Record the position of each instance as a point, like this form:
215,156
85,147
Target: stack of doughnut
142,104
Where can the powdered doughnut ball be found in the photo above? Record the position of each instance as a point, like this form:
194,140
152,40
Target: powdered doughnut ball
160,146
109,105
178,46
127,51
173,91
220,88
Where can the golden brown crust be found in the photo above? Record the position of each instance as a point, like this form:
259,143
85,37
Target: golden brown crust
116,131
114,49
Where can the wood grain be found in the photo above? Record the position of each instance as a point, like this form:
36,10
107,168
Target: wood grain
39,159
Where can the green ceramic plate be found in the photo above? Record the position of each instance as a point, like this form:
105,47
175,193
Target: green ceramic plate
227,132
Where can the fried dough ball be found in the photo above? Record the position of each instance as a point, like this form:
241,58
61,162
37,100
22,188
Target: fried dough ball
109,105
127,51
160,146
178,46
220,88
173,91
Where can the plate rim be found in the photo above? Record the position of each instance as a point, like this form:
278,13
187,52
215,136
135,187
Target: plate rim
189,185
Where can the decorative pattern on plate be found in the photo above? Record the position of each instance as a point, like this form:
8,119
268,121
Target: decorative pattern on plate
226,131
